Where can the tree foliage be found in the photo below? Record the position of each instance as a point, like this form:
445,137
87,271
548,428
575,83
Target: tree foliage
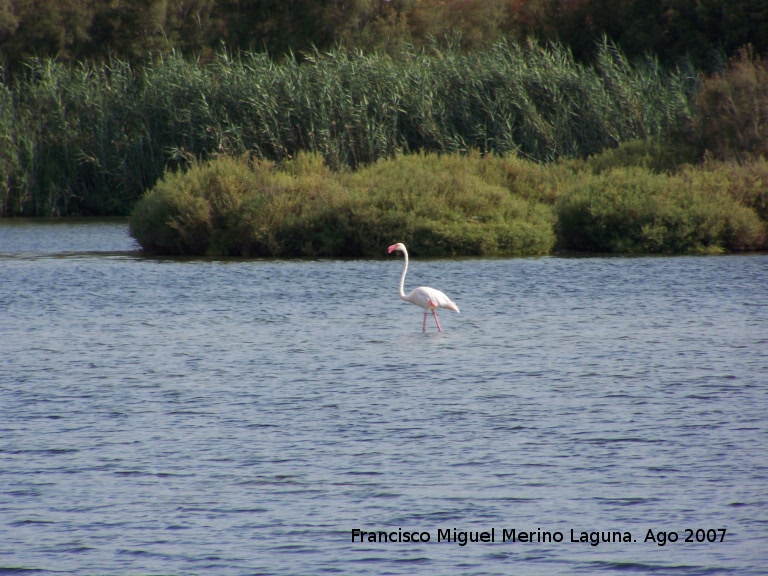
706,31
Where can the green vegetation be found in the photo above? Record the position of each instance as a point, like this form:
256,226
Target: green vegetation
90,140
634,211
438,205
442,205
318,128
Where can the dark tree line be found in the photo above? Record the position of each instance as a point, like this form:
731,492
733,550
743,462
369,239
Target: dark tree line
706,31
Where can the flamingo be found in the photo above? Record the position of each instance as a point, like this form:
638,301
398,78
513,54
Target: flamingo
423,296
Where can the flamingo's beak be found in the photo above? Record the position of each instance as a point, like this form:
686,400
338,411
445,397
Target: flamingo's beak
392,249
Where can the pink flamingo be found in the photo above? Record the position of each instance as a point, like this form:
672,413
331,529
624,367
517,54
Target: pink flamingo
423,296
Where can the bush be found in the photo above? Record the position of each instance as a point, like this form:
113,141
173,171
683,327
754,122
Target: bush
193,212
633,210
731,119
453,205
437,205
656,156
747,182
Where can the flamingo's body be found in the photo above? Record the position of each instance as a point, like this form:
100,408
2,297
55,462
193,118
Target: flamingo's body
424,297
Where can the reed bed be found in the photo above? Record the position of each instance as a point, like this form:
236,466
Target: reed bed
92,139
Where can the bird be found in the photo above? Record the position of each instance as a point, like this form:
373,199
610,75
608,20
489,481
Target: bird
425,297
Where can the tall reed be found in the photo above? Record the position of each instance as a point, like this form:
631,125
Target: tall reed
91,139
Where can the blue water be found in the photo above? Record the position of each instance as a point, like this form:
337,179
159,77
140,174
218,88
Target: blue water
192,416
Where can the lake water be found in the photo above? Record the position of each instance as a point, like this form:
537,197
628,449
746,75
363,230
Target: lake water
192,416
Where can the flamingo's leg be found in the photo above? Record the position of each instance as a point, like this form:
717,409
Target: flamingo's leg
434,313
424,324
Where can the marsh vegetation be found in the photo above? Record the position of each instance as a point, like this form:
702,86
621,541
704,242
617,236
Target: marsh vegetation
506,150
91,139
455,204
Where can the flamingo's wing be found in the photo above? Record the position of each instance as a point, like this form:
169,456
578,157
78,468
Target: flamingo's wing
430,298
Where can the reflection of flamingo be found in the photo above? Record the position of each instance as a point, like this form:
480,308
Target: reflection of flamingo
423,296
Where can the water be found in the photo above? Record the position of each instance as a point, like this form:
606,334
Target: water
243,417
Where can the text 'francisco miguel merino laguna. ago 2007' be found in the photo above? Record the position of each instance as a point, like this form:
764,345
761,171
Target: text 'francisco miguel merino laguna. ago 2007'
513,535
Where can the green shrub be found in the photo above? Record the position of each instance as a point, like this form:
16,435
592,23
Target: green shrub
447,206
437,205
194,212
452,205
747,182
656,156
634,211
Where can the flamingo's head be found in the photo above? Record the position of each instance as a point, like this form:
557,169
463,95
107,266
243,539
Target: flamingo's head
398,246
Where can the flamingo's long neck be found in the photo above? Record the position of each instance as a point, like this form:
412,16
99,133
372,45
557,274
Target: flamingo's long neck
402,276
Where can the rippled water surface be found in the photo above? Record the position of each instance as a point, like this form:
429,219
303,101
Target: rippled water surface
243,417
